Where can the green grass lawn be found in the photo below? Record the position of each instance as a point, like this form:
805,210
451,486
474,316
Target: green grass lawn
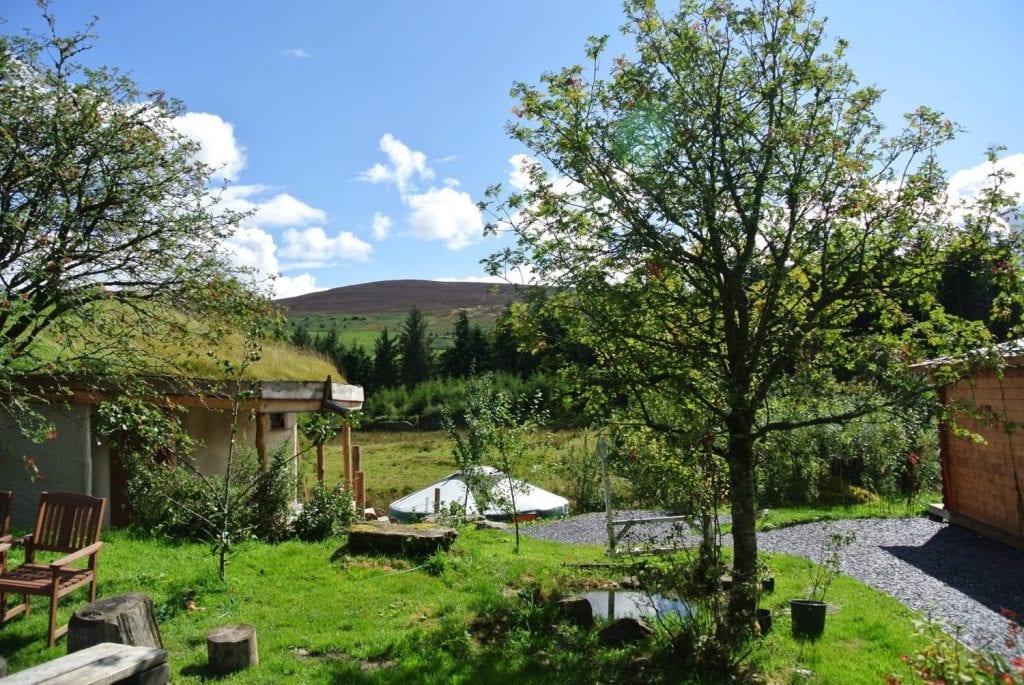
397,463
474,615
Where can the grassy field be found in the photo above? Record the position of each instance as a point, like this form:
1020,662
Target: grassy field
363,329
397,463
478,614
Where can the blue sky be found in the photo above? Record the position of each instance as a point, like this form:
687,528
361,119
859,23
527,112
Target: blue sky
363,133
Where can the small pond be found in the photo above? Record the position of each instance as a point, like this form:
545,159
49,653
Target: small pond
611,604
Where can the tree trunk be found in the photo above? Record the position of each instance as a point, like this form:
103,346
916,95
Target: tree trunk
126,619
742,500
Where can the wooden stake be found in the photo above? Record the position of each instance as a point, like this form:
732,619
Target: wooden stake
357,464
360,492
320,463
346,453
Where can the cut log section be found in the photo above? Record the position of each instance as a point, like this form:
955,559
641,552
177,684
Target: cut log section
126,619
232,648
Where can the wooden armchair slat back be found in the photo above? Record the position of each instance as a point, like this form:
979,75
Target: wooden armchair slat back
67,522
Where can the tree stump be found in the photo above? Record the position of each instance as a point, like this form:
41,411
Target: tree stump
416,540
126,619
232,648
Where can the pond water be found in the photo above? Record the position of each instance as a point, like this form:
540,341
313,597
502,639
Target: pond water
611,604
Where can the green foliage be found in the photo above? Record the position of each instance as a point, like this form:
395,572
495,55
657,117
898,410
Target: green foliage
267,506
416,359
329,512
110,236
580,470
829,558
944,659
889,455
176,502
721,218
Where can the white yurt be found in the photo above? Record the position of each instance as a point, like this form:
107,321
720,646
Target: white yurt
530,500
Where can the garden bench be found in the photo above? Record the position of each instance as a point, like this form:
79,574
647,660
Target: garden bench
101,664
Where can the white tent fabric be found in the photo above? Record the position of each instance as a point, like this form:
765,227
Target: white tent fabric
529,498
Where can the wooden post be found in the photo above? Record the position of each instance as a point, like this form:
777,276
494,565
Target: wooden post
346,453
320,463
437,500
262,428
360,493
358,481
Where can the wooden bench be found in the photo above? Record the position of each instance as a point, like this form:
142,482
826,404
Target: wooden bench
100,664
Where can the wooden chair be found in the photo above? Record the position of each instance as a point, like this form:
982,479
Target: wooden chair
5,526
67,523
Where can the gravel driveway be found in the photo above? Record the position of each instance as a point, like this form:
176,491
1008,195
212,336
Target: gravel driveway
946,571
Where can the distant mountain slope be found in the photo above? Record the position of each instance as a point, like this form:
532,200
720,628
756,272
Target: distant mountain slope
432,297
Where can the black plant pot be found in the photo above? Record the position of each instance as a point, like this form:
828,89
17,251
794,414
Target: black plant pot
808,617
768,584
764,620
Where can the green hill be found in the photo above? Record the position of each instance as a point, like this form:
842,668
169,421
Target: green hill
359,312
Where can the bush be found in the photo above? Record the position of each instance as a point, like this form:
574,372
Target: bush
178,503
329,512
889,455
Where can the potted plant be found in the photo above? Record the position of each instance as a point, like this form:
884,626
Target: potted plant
809,613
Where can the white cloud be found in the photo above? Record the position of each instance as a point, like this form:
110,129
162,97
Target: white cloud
296,52
445,214
968,183
293,286
435,214
312,248
404,165
965,185
277,211
381,225
216,138
518,175
285,210
253,248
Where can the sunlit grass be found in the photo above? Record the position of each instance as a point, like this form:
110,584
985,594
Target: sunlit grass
323,616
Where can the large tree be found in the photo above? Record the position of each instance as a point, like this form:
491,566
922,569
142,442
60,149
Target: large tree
729,224
109,231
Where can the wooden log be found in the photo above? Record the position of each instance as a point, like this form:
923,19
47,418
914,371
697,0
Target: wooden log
126,619
232,648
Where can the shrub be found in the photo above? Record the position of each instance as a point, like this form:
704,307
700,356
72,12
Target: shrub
177,502
329,512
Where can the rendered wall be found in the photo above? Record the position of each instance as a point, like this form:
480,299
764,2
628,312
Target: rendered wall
212,431
67,461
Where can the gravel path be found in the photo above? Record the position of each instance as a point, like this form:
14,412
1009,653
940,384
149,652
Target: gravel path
945,571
